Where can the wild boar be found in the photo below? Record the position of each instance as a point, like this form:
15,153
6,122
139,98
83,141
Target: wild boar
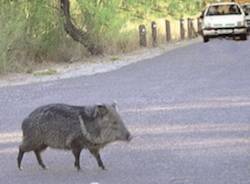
74,128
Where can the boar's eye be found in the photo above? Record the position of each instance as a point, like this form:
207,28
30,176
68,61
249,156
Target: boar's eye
115,123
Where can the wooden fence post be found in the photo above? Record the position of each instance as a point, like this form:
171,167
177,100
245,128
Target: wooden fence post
168,30
154,33
189,26
194,31
191,30
142,35
182,29
199,20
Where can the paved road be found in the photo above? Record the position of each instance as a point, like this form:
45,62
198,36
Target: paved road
188,109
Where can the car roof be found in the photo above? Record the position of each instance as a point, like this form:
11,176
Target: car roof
223,3
245,4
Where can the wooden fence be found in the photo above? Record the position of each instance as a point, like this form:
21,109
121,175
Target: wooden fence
189,31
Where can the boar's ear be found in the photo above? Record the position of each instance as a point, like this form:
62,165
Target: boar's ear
100,110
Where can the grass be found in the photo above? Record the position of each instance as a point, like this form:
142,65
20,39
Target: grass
114,58
47,72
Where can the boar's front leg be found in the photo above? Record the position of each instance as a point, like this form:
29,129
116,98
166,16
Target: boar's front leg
76,153
76,150
38,155
96,154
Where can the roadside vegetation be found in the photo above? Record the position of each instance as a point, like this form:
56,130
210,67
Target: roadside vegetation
40,31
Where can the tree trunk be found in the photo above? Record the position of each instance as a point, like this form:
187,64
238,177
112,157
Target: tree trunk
77,34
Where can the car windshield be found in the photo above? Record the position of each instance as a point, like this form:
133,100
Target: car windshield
230,9
246,8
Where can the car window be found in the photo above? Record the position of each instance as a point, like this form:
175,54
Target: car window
246,8
223,10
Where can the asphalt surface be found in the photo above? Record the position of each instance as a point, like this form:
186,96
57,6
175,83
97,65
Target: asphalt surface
188,110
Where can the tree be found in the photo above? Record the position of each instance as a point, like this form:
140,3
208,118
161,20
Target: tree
78,35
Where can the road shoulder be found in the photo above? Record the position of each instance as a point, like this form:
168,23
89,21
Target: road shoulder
91,66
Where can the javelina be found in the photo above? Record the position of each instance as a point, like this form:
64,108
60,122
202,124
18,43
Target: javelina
73,128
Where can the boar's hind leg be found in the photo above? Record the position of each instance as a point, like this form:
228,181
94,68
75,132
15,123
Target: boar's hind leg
37,152
96,154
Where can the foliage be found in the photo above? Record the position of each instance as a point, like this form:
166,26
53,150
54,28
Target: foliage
32,31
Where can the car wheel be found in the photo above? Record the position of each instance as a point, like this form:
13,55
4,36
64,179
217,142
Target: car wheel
205,39
243,37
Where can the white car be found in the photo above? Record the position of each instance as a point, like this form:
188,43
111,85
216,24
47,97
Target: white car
224,19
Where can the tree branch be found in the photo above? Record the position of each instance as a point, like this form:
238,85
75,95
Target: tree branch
75,33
